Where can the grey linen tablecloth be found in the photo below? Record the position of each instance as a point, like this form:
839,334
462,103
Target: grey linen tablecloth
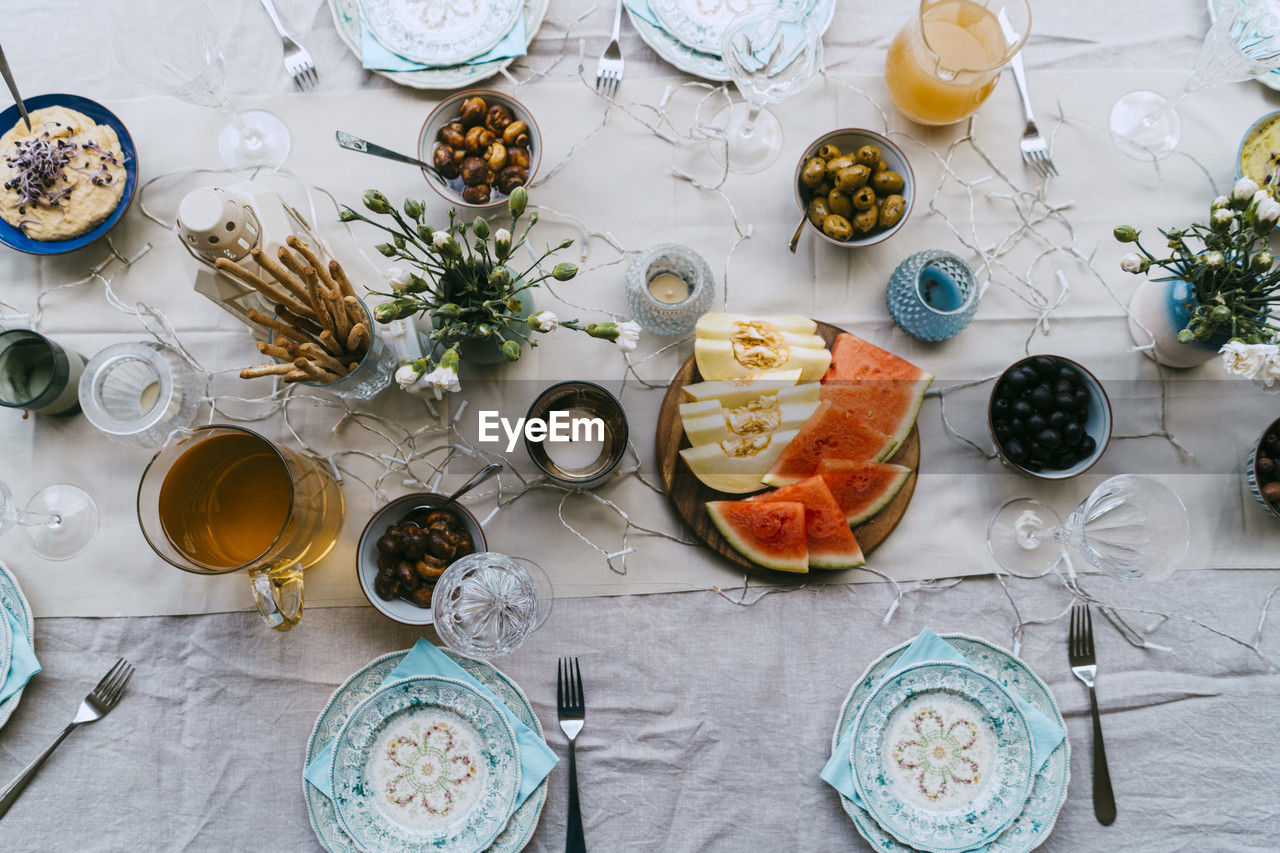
707,723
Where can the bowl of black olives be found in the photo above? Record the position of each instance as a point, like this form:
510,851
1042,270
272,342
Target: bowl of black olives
406,547
1262,469
855,187
482,144
1050,417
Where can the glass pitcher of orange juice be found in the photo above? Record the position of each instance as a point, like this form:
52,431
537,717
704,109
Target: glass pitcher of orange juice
944,63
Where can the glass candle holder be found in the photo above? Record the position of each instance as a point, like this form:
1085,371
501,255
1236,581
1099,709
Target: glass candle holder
932,295
598,429
38,374
138,393
667,288
372,375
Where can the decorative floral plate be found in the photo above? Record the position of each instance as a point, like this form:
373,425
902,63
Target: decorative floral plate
698,23
942,756
361,686
1030,828
12,600
439,32
346,17
425,763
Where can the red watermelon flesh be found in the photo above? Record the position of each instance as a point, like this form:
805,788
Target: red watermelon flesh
830,433
831,542
853,358
888,405
768,534
862,489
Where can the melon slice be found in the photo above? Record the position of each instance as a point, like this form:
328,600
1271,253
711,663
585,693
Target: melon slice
853,358
724,359
862,489
830,433
736,465
831,543
715,324
889,405
755,418
768,534
739,392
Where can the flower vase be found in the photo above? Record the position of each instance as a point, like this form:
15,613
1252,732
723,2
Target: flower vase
1157,312
489,350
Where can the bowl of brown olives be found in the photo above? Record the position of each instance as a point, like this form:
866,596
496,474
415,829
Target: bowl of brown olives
406,547
855,187
1262,469
482,144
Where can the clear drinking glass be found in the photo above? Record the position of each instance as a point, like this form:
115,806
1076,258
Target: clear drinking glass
171,45
38,374
138,393
1131,527
59,521
772,51
486,604
1243,43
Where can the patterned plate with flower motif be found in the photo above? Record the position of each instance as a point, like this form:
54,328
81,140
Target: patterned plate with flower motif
13,601
440,32
942,756
1035,822
426,763
700,24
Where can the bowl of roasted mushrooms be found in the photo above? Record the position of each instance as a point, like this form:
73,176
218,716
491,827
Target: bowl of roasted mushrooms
482,144
406,547
854,187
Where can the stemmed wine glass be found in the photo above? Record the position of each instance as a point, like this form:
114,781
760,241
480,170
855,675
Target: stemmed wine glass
772,51
486,604
1243,43
171,45
59,521
1131,527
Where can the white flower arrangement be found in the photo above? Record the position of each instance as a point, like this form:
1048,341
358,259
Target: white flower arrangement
1258,362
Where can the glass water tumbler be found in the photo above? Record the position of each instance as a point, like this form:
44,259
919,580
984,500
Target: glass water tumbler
932,295
667,288
138,393
38,374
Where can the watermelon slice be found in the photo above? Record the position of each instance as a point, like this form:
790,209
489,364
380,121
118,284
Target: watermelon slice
833,433
862,489
853,358
831,543
889,405
768,534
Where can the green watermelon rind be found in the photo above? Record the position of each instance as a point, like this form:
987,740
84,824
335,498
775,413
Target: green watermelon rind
747,549
818,559
883,499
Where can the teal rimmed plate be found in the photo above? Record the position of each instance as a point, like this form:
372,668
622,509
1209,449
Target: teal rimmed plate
435,33
362,685
1033,825
12,600
425,763
942,756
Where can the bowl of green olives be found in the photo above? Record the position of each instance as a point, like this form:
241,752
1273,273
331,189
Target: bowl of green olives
481,144
406,547
1050,417
854,187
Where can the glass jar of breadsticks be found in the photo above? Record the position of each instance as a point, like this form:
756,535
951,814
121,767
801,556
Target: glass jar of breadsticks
321,334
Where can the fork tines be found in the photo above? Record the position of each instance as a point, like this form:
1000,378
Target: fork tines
1080,635
111,687
569,687
299,65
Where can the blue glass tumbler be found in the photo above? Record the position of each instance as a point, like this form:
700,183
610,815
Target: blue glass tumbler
932,295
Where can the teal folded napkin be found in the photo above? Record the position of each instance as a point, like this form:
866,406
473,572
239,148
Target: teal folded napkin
375,56
1046,734
22,662
536,758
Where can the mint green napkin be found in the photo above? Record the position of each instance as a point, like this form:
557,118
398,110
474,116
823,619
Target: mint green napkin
22,663
536,758
1046,734
377,57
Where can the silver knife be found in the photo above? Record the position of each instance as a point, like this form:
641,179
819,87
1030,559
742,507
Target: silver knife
355,143
13,87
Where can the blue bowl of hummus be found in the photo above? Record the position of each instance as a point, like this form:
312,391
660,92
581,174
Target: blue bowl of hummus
68,179
1258,156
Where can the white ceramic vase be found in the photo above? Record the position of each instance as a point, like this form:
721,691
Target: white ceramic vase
1157,312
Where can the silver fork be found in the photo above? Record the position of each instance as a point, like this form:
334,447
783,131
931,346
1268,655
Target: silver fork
609,68
1084,665
94,707
1035,150
297,62
572,711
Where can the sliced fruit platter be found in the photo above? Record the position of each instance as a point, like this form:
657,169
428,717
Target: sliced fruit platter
790,444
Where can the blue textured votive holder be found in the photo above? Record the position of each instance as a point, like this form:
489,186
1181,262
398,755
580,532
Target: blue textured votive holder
932,295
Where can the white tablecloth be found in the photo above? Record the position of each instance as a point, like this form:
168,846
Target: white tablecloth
707,723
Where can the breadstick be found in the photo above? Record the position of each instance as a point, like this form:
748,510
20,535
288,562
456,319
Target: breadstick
265,370
344,285
275,351
317,373
311,258
261,285
320,298
286,257
295,375
311,327
331,343
280,274
358,339
281,328
355,310
317,353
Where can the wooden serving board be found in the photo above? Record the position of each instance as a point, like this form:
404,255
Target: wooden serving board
689,495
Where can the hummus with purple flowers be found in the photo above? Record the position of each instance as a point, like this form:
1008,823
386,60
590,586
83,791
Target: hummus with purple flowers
62,177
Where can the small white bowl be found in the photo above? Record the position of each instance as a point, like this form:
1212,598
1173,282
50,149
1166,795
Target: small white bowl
447,111
848,140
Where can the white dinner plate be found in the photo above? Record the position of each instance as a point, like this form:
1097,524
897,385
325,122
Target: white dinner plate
439,32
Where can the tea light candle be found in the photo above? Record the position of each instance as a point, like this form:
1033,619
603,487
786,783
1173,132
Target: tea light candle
591,458
576,455
668,288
